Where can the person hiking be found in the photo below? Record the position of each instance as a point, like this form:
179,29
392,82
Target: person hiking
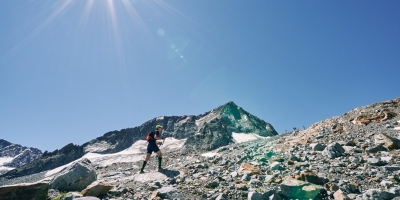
153,147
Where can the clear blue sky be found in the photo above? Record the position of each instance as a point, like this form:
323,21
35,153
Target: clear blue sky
72,70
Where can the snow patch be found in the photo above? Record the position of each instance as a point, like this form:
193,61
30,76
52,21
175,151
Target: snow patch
4,160
209,154
243,137
397,128
134,153
58,169
98,147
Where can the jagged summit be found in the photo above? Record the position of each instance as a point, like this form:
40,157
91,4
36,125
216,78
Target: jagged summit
207,131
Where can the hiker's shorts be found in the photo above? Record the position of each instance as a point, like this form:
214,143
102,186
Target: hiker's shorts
152,147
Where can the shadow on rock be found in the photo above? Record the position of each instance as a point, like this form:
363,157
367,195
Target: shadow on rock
170,173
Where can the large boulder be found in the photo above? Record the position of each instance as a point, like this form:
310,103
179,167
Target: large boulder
24,191
75,177
333,150
295,189
317,146
387,141
97,189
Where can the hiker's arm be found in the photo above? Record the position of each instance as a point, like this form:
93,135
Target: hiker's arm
158,138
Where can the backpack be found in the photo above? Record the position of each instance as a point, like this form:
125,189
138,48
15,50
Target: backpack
148,137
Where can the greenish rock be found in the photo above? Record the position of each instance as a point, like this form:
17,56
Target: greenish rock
295,189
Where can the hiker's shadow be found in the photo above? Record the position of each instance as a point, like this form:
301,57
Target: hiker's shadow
170,173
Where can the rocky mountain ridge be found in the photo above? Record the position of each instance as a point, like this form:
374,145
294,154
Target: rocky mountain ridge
352,156
14,155
204,132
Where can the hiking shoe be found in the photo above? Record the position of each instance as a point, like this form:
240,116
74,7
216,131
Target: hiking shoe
141,172
160,169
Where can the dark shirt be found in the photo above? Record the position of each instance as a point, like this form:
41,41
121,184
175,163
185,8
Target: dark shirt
153,134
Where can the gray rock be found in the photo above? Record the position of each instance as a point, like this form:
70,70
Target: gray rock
75,177
169,193
118,192
271,195
254,196
374,194
276,166
72,195
317,146
376,161
333,150
222,196
234,174
391,168
385,183
387,141
395,190
254,181
213,184
245,177
376,149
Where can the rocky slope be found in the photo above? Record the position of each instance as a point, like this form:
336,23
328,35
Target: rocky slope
14,155
203,132
352,156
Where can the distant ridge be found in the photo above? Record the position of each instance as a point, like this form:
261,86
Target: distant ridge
207,131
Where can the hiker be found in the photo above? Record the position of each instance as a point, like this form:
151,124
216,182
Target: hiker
153,146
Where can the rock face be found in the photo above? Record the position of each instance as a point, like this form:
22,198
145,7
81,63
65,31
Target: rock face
24,191
204,132
16,155
75,177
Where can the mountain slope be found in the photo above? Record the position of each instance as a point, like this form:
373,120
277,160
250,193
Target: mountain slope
351,156
203,132
14,155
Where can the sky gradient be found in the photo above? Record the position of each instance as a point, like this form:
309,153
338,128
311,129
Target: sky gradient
72,70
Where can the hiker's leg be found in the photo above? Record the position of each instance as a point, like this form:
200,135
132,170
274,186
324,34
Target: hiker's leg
147,157
145,161
159,159
159,154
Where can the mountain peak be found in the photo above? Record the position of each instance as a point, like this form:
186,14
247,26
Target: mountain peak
15,155
4,143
